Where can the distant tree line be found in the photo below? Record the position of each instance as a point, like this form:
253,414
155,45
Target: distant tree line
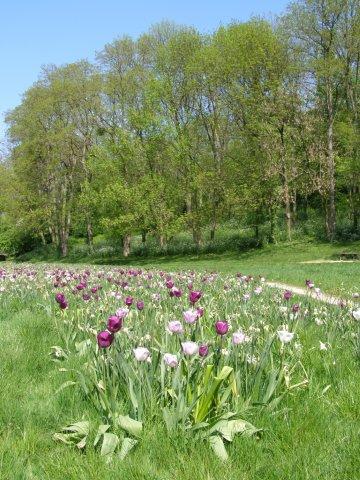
177,130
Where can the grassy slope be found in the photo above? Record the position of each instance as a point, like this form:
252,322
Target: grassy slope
313,437
280,262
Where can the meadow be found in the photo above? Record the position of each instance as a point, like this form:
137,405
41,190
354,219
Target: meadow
142,373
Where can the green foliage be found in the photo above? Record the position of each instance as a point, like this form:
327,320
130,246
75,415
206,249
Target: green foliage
256,123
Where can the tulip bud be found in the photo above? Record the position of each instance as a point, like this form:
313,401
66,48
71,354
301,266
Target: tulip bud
105,339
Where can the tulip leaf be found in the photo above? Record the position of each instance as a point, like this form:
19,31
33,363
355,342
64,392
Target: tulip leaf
228,429
101,430
81,428
127,445
131,426
109,444
217,444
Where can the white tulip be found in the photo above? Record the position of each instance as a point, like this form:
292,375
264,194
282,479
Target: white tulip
141,354
171,360
285,336
190,348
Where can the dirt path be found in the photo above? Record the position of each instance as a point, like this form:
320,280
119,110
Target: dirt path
323,297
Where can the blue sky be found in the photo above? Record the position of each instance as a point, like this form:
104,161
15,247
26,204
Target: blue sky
38,32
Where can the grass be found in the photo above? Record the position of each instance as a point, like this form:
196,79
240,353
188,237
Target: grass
313,436
280,262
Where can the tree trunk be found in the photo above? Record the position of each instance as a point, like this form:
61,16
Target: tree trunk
43,240
90,236
126,243
285,185
64,237
54,236
272,225
213,228
162,242
330,211
287,211
143,237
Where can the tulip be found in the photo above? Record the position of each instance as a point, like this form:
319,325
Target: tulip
122,312
285,336
175,327
356,314
141,354
86,297
194,296
189,348
169,284
200,311
114,323
295,308
140,305
287,295
105,339
175,292
63,305
221,327
171,360
238,338
60,297
203,350
129,301
190,316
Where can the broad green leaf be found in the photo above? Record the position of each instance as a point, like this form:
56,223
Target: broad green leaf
131,426
110,442
127,445
101,430
78,427
228,429
218,447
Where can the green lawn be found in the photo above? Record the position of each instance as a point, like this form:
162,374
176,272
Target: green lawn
313,435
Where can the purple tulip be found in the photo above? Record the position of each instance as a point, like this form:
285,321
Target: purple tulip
114,323
169,284
80,286
295,308
63,305
200,311
86,297
105,339
287,295
194,296
129,301
203,350
221,327
60,297
140,305
175,292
